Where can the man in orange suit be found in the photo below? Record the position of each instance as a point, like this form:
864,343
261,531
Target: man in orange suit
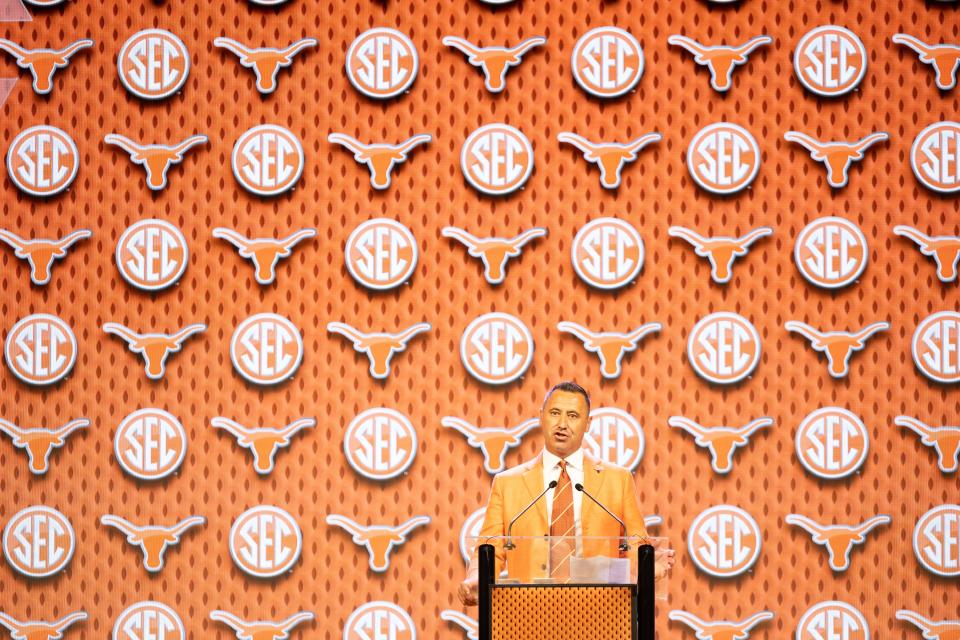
563,510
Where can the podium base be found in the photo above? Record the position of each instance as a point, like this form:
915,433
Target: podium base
558,612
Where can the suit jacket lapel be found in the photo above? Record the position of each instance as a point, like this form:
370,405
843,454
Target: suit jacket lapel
593,478
533,481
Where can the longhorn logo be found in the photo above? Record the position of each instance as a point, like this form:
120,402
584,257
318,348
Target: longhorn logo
721,251
944,249
34,630
265,541
42,63
380,443
265,253
831,252
496,348
381,254
462,620
379,347
43,161
944,58
380,157
267,160
836,156
720,629
935,157
607,62
932,629
152,254
40,349
154,347
945,441
936,346
837,538
493,442
497,159
723,158
150,444
723,348
379,619
156,159
720,441
261,629
720,60
148,620
40,253
152,539
615,437
607,253
265,62
610,346
266,348
153,64
493,251
935,540
494,61
263,442
832,443
382,63
379,540
39,542
832,619
838,345
609,156
830,61
39,443
724,541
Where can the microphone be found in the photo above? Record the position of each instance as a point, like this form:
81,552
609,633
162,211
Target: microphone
509,543
623,545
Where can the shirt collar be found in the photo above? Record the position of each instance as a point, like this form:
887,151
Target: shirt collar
574,460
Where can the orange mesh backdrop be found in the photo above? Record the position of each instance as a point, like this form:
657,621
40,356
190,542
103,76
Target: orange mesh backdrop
447,481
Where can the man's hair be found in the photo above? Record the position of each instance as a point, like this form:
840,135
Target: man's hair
570,387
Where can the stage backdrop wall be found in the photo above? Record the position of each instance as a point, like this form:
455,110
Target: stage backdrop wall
427,382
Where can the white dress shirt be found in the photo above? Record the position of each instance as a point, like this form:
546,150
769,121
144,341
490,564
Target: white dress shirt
551,471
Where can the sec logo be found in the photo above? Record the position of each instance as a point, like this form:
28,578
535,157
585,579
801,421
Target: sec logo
832,443
935,157
39,542
266,349
265,541
149,621
833,620
607,62
831,252
379,620
936,540
42,161
607,253
381,254
830,61
382,63
153,64
380,443
724,541
723,348
496,348
40,349
471,528
723,158
936,346
152,254
150,444
267,160
615,437
497,159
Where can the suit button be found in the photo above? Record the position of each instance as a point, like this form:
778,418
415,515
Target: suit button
543,567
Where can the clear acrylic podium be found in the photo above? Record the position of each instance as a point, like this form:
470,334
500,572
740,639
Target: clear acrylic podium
605,592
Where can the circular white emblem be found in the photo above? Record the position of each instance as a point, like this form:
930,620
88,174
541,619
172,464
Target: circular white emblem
40,349
381,254
265,541
831,252
266,348
830,60
607,253
149,621
152,254
834,620
496,348
724,541
832,443
936,346
153,64
723,158
607,62
497,159
378,619
39,542
380,443
936,540
723,348
382,63
150,444
267,160
935,157
615,437
42,160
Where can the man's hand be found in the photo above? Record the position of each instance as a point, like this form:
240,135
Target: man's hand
468,592
664,562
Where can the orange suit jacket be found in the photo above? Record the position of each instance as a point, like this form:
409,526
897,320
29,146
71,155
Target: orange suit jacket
515,488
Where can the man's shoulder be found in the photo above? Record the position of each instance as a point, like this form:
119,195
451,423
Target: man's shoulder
589,462
521,469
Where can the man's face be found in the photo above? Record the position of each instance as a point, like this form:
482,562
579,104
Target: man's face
563,421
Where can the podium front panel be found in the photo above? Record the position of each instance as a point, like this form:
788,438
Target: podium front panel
554,612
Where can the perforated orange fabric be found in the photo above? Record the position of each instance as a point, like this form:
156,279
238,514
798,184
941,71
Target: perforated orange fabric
446,480
583,613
